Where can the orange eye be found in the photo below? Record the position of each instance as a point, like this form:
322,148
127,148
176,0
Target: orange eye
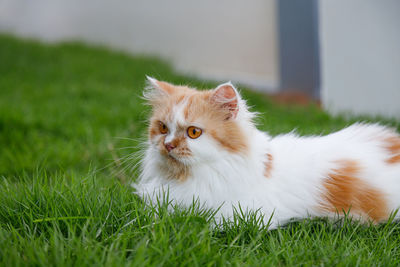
162,128
194,132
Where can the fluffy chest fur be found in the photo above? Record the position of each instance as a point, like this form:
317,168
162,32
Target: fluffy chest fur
203,146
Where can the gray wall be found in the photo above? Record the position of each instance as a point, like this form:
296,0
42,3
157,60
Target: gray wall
298,46
359,41
225,40
360,56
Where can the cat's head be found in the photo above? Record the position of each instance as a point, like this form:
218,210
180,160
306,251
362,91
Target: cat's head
188,126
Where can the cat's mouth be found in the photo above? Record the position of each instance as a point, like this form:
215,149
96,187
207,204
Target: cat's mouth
169,155
176,158
178,155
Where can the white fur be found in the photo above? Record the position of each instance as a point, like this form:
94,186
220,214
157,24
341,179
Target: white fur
221,179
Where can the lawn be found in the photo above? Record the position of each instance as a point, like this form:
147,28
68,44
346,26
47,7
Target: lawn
71,118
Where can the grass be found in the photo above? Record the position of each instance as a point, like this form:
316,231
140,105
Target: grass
70,114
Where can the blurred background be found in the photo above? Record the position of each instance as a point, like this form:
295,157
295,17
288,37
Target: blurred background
73,125
344,54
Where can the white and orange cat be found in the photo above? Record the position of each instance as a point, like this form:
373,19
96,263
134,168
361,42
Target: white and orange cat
203,145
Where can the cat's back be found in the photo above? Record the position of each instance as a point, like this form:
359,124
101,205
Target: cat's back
358,141
359,164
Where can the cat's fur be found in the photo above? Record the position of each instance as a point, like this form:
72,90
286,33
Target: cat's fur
232,163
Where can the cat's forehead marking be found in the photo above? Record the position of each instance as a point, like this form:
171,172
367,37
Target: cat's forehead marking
178,112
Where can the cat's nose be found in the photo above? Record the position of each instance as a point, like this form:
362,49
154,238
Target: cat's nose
169,146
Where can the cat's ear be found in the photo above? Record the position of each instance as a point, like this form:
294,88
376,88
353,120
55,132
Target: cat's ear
164,86
157,89
226,97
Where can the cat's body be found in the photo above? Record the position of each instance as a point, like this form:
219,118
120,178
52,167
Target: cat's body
232,163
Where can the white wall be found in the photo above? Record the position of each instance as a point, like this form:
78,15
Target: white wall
360,56
224,39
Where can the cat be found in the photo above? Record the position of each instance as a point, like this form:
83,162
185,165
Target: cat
204,146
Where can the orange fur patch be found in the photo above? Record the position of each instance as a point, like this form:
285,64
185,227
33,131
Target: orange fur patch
268,166
345,192
392,145
230,136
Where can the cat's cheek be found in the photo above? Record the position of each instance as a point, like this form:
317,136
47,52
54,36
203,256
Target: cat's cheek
155,139
156,142
204,148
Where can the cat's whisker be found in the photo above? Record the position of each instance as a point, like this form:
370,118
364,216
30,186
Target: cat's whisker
140,139
121,170
127,147
119,165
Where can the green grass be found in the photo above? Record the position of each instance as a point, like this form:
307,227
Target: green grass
70,114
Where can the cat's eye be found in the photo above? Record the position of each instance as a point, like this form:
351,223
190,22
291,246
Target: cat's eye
162,128
194,132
